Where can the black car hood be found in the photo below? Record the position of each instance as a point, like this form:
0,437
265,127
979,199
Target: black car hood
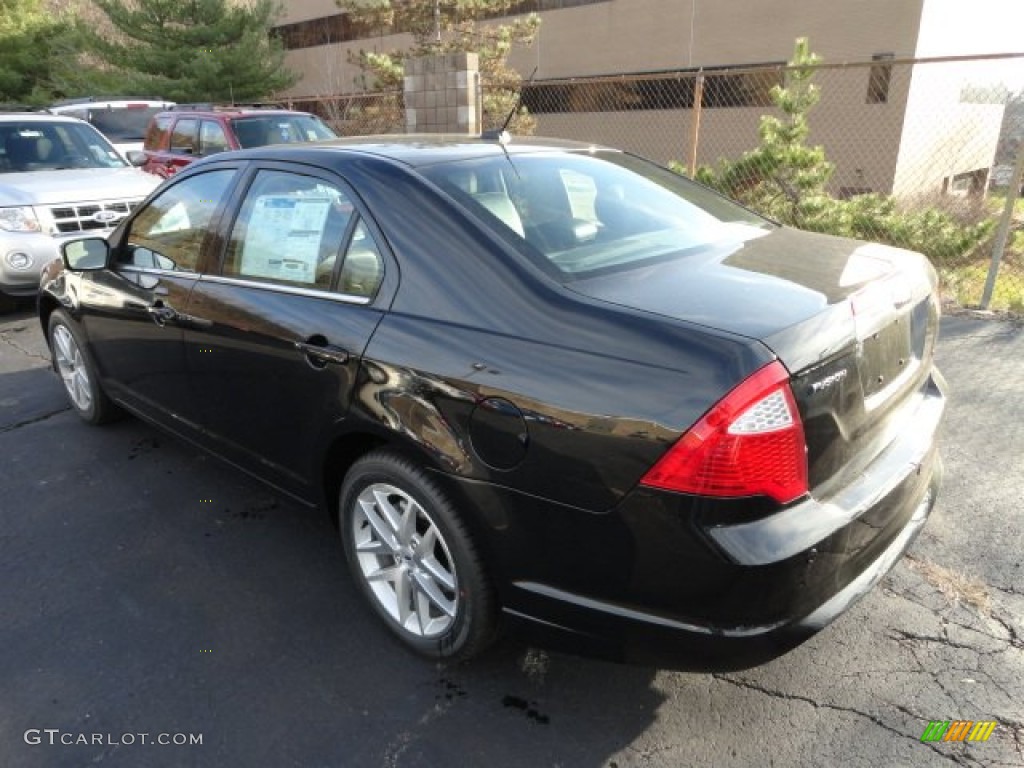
784,287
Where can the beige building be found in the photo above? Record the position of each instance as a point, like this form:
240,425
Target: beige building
887,126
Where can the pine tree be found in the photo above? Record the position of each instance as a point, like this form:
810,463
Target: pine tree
783,177
449,26
185,50
787,180
27,36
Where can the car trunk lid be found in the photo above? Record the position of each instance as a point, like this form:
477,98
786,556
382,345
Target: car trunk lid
855,324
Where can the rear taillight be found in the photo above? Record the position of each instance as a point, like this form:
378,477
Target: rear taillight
751,443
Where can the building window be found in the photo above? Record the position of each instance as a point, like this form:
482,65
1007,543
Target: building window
968,183
879,78
845,193
326,30
340,28
655,91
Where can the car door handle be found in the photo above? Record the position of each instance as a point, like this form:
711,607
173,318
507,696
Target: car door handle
322,353
161,313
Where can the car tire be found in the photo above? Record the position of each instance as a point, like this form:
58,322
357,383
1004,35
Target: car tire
75,366
413,559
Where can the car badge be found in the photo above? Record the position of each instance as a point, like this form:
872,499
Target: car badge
829,381
106,217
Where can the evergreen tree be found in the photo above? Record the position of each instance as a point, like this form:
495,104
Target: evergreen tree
27,37
184,50
449,26
783,177
787,180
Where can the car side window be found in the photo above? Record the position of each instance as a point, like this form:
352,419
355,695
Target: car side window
183,137
168,233
363,268
295,230
211,138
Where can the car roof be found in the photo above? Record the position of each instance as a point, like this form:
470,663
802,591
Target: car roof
37,117
419,150
232,112
106,103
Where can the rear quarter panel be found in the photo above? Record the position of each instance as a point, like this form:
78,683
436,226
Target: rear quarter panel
600,391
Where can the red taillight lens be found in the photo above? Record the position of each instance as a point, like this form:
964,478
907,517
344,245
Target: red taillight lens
751,443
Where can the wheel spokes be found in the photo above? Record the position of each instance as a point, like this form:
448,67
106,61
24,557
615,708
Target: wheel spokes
380,524
391,575
427,587
71,366
82,383
387,510
403,597
63,339
410,574
438,573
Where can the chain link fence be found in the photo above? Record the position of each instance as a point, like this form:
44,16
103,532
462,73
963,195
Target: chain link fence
358,114
917,153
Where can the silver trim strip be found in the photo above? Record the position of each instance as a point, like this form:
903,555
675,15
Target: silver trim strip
624,612
345,298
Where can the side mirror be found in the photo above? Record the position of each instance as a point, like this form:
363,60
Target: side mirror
86,255
136,157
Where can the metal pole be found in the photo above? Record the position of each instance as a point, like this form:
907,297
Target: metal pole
1003,232
698,101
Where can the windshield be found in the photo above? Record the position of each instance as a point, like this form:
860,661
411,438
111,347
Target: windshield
587,212
40,146
123,123
280,129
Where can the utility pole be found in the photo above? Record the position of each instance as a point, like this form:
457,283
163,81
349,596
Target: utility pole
1003,232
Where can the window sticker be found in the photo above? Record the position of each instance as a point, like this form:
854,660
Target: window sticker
282,241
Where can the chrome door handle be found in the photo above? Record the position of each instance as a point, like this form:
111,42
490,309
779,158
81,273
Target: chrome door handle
161,314
323,354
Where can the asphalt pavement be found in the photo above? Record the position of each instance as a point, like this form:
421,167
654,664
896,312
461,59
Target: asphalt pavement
151,594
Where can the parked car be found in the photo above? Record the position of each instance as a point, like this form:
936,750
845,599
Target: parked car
188,132
538,385
122,121
58,178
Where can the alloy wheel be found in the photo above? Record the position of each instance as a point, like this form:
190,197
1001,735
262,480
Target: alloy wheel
72,369
405,560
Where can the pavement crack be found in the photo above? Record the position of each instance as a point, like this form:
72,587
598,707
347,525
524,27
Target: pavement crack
902,635
33,420
1015,640
1012,639
5,337
1006,590
956,758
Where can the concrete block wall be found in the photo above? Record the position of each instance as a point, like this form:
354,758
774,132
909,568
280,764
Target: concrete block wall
441,94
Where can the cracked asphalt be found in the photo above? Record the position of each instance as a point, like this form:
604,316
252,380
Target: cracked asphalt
147,589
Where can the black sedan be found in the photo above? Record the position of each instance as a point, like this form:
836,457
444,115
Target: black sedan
539,386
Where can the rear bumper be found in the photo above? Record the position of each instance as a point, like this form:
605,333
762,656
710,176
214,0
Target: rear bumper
577,624
659,580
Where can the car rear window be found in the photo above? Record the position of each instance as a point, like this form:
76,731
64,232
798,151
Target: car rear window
261,130
122,123
585,212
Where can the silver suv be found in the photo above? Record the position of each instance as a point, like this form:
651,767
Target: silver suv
59,178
